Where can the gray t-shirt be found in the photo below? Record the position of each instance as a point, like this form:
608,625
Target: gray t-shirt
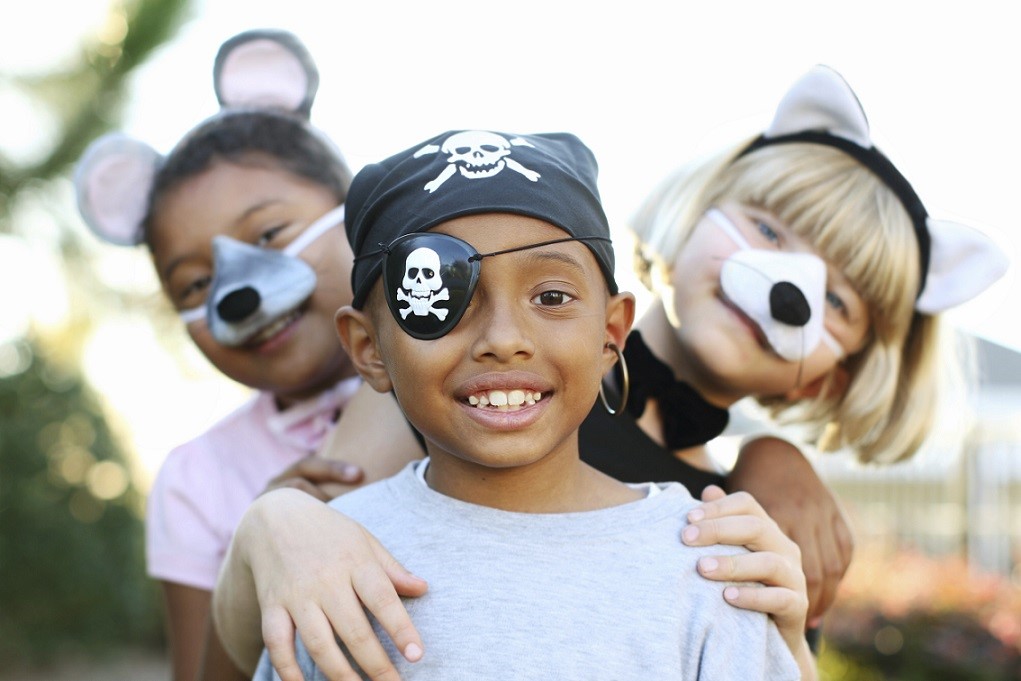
606,594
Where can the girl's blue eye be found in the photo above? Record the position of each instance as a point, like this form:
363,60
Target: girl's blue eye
768,232
552,298
835,301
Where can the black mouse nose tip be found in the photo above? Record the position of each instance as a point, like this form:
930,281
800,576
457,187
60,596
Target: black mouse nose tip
788,304
238,304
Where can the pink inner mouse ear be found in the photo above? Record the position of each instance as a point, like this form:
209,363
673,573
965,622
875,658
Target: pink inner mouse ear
112,184
266,68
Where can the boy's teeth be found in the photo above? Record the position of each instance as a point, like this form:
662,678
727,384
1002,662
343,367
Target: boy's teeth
503,400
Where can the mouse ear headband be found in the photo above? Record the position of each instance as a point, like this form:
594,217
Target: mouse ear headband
957,262
259,69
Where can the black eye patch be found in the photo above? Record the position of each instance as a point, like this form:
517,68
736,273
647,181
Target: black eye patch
429,279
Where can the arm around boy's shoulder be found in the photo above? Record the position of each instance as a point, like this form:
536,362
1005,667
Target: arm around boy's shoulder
717,640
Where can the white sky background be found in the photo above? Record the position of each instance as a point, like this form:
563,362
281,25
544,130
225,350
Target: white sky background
645,84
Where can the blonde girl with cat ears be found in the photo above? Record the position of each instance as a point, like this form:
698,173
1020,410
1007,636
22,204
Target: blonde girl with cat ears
816,174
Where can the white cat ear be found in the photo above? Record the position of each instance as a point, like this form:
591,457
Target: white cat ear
963,263
266,68
112,183
821,100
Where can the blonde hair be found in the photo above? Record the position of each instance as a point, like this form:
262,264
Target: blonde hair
857,224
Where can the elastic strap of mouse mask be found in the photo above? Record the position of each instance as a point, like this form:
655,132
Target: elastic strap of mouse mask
208,309
429,279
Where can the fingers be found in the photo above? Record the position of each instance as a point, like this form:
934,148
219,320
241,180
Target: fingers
378,591
317,469
712,493
784,605
758,533
353,627
718,506
766,567
406,583
300,484
278,635
317,477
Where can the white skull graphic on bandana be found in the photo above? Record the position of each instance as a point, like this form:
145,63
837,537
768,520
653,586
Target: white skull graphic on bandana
476,154
422,285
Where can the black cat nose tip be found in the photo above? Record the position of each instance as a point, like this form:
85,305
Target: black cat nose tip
788,304
238,304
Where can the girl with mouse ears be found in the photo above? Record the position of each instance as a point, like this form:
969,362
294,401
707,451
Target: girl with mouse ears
244,222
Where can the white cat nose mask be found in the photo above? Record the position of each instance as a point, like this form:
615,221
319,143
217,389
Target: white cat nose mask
783,293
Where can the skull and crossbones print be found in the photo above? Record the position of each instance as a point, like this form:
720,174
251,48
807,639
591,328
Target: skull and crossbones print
476,154
422,285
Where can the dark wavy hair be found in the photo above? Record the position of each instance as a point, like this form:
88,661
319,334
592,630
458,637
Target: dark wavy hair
285,138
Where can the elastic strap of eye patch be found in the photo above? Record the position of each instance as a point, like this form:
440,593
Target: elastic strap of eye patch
385,248
882,167
480,256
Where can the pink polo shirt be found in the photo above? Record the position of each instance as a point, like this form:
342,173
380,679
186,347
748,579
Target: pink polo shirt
204,486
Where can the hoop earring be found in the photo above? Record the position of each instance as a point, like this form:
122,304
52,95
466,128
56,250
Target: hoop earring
626,387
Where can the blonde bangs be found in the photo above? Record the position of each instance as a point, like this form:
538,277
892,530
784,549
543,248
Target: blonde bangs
857,224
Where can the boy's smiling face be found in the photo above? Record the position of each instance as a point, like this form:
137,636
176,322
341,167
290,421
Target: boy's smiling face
534,335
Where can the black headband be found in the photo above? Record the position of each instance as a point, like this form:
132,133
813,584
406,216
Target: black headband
882,167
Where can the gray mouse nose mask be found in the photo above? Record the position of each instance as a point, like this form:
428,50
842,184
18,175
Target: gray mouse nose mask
255,287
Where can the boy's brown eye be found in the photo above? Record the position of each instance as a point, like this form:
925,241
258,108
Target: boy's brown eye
552,298
195,287
266,237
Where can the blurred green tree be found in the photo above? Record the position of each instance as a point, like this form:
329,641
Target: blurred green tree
72,574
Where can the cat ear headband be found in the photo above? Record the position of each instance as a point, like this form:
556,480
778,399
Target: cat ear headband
957,262
259,69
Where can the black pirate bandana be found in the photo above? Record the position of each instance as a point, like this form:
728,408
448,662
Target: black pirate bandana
430,278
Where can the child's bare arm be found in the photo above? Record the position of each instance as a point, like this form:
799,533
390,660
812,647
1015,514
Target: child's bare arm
296,564
784,482
775,562
358,450
372,434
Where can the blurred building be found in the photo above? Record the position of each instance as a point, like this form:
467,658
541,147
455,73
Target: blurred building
959,496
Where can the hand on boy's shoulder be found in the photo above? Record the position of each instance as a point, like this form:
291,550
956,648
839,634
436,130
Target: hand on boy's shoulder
321,478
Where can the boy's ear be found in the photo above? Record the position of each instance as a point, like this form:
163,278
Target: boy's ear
620,315
837,379
358,336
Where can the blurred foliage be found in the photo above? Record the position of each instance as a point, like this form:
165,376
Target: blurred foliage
72,575
911,616
87,97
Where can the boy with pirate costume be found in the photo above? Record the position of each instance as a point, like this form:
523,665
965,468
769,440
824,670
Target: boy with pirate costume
487,303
